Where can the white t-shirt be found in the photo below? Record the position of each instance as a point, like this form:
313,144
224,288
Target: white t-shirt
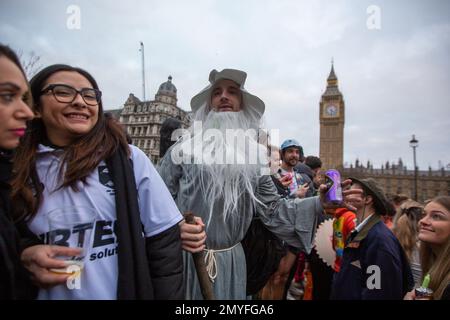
158,212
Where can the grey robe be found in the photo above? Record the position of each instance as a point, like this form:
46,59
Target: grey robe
292,220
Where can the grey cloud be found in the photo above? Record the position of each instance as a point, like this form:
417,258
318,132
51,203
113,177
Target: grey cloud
394,80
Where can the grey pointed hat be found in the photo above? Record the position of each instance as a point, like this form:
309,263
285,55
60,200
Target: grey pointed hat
250,102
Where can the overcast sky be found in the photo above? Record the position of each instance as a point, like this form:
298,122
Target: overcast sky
394,72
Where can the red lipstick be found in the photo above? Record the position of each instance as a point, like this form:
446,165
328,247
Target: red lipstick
19,132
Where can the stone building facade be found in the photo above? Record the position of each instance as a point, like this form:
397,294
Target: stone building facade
143,119
397,179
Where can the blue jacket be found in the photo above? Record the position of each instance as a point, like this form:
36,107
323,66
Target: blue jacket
374,266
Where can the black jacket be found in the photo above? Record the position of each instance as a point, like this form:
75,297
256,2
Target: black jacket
166,264
150,269
14,279
282,191
308,176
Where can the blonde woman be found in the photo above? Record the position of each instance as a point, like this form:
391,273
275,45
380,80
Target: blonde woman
406,229
434,234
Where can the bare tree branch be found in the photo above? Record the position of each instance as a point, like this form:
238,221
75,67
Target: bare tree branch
30,63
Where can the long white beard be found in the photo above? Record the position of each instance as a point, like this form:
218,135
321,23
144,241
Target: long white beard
227,157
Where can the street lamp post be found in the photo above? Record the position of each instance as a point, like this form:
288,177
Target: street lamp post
414,143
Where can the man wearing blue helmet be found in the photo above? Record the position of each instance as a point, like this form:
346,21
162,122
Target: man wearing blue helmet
295,144
296,185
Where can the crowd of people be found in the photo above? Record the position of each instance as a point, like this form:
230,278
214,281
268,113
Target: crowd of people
252,235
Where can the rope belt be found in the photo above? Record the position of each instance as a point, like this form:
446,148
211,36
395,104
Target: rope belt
211,263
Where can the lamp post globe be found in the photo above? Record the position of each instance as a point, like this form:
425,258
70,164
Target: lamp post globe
414,143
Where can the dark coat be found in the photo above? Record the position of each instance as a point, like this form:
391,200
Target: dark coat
149,269
282,191
14,279
375,245
307,177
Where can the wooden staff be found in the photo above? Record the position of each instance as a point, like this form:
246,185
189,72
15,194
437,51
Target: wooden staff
200,267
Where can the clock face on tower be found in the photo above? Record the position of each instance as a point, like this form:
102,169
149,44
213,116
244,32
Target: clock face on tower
331,110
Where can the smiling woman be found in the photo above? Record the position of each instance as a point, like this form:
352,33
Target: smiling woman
75,156
72,106
434,234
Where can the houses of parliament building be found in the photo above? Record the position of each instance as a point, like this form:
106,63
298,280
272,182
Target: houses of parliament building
143,120
394,178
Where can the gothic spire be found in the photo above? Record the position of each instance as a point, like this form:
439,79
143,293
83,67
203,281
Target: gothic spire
332,83
332,75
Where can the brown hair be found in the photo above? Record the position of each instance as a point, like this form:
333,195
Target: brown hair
79,159
406,230
398,199
7,52
438,266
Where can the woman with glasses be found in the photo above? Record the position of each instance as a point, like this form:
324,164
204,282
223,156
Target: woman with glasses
15,111
75,156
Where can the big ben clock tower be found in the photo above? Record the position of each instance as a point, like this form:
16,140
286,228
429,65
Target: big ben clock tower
332,118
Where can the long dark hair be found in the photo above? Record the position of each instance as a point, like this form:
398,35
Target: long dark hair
406,230
12,56
167,128
79,158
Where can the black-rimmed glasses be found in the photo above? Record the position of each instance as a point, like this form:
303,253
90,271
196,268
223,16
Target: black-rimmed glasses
67,94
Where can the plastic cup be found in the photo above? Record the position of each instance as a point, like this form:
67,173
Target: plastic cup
423,294
72,227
